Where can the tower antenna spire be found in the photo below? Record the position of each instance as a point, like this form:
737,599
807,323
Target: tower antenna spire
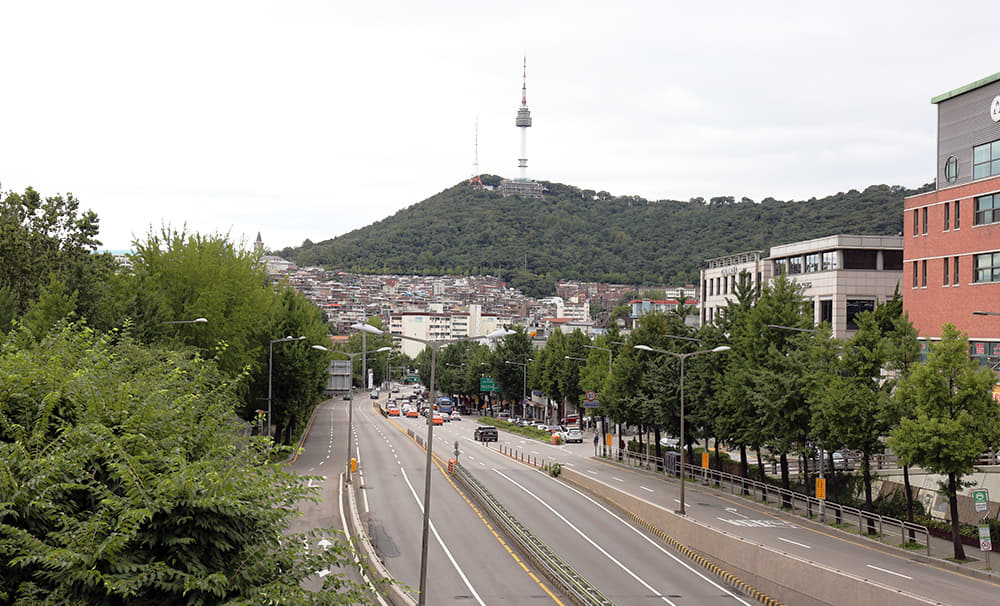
475,181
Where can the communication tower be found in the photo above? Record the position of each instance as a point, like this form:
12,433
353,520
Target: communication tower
475,181
522,185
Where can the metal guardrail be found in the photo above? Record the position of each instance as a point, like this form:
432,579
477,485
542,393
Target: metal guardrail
573,583
866,522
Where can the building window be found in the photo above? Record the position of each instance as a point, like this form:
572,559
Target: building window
780,266
987,209
812,263
958,216
915,274
947,216
856,306
986,160
795,265
923,273
830,260
954,273
892,260
826,311
951,169
916,221
946,282
860,258
986,268
925,221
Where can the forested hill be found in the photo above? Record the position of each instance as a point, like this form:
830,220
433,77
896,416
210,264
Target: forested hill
592,236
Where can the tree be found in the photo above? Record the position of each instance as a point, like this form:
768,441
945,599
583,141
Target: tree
51,239
953,419
129,480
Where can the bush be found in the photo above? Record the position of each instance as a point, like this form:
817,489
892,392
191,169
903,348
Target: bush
555,469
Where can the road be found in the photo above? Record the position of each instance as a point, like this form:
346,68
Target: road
470,562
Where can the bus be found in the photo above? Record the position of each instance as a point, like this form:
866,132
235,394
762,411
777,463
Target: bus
444,406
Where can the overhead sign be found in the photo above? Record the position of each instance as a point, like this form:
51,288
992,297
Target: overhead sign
488,384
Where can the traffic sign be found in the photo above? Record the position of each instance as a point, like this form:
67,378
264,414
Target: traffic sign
985,541
488,384
981,497
592,404
591,396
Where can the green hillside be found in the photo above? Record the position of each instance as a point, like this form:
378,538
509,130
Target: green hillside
593,236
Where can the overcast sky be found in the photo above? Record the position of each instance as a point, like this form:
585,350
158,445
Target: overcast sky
309,119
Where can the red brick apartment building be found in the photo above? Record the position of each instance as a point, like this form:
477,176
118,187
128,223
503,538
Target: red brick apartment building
951,236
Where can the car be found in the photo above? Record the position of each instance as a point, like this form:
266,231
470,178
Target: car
503,416
437,419
455,416
572,435
839,460
393,411
395,389
486,433
412,414
669,442
374,394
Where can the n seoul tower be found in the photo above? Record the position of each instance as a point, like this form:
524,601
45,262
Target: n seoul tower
522,186
523,123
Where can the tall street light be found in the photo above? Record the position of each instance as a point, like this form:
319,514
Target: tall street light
365,328
524,380
195,321
682,357
435,346
270,360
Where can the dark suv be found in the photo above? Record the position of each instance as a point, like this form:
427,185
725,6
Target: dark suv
486,433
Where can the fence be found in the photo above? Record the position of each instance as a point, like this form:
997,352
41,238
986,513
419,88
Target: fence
867,523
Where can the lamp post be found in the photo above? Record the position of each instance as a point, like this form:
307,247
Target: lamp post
195,321
365,328
270,360
524,380
682,357
435,346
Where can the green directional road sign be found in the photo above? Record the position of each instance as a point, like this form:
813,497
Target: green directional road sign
488,384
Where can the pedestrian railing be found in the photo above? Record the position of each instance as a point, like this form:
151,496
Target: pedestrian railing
849,518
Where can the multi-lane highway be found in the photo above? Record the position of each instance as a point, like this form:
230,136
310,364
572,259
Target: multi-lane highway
468,561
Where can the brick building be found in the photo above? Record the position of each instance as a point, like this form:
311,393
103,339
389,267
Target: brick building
952,234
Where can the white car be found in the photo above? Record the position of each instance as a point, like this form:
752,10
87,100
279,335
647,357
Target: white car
572,435
455,416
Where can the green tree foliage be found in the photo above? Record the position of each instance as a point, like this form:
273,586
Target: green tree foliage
54,303
128,479
568,234
780,358
953,417
52,239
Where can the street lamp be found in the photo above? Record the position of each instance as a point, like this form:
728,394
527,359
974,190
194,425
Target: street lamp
195,321
270,359
365,328
524,380
682,357
435,346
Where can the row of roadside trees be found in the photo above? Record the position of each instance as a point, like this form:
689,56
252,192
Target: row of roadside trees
785,387
131,471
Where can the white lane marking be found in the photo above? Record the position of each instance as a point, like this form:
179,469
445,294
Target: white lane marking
794,543
593,472
646,489
357,559
588,539
641,535
889,572
440,541
616,478
733,511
